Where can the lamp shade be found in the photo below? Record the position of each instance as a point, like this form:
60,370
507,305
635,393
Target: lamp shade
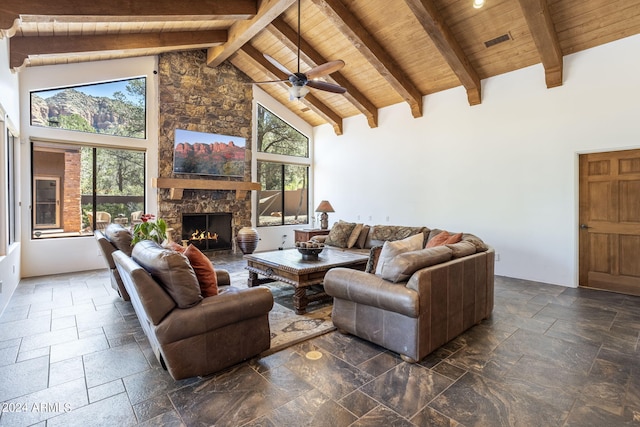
324,206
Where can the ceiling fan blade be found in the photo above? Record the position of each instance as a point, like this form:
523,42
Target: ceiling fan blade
325,69
278,65
269,81
329,87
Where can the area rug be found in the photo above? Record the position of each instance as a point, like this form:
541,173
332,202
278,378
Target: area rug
289,328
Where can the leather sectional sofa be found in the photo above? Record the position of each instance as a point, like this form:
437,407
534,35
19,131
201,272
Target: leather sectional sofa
190,335
421,299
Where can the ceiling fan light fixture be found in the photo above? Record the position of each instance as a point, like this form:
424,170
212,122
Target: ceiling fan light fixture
297,92
477,4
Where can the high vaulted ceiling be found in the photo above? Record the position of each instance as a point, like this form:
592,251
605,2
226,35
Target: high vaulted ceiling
394,50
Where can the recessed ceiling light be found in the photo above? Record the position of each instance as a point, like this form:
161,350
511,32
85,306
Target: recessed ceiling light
477,4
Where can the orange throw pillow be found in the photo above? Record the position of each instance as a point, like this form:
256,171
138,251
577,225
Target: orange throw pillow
439,239
176,247
204,271
453,239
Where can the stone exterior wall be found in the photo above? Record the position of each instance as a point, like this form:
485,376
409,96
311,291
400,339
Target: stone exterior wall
199,98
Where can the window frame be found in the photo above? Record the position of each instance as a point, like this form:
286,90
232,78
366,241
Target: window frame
283,160
35,231
145,131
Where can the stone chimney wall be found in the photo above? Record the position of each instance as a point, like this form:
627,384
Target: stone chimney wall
199,98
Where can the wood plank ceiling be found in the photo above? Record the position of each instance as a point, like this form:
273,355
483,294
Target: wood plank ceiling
395,50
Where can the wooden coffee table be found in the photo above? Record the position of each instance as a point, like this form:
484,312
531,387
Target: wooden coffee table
288,266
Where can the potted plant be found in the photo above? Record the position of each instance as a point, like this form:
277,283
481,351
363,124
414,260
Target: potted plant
150,229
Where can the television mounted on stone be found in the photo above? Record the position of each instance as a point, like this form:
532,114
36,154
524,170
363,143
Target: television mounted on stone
203,153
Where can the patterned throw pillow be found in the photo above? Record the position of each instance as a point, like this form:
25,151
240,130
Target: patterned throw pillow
372,262
339,234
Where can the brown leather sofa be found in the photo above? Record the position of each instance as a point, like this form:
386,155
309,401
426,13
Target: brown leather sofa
417,315
108,246
191,335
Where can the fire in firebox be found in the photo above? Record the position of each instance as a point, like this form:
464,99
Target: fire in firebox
204,235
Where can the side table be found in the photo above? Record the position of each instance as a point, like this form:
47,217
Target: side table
305,234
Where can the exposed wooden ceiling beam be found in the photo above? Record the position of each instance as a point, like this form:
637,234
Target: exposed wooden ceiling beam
444,40
309,100
21,47
243,31
536,13
384,64
123,10
288,36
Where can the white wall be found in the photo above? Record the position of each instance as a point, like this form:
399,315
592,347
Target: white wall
9,96
505,170
49,256
271,238
9,113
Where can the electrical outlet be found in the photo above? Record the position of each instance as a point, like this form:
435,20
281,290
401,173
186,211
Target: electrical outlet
0,286
387,218
370,217
497,257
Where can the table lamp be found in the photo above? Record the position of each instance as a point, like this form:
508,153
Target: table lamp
324,207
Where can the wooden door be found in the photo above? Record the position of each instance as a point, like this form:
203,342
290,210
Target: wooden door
610,221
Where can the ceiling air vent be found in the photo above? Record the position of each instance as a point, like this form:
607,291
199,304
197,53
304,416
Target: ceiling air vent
499,39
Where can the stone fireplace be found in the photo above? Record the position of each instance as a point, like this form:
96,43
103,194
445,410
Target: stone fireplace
199,98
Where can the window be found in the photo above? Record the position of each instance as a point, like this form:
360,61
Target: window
113,108
11,187
283,172
77,189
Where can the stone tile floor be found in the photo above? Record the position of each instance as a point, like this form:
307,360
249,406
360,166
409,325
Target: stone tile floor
73,353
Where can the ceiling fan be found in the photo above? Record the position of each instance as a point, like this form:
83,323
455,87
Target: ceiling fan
299,81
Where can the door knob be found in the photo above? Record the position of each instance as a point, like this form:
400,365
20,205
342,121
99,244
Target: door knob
584,226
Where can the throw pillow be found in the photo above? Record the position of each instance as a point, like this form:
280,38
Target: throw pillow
362,238
355,234
444,238
477,242
392,249
372,262
339,234
171,269
203,268
400,268
455,238
120,237
438,240
175,247
462,249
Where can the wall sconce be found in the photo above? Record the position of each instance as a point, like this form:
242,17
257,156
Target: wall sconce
324,207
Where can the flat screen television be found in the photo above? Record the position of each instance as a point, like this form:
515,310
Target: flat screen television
203,153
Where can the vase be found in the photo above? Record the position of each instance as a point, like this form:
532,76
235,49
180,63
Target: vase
247,239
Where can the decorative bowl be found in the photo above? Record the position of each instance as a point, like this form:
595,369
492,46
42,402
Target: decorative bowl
310,253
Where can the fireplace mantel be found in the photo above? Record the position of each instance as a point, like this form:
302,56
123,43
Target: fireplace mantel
178,185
